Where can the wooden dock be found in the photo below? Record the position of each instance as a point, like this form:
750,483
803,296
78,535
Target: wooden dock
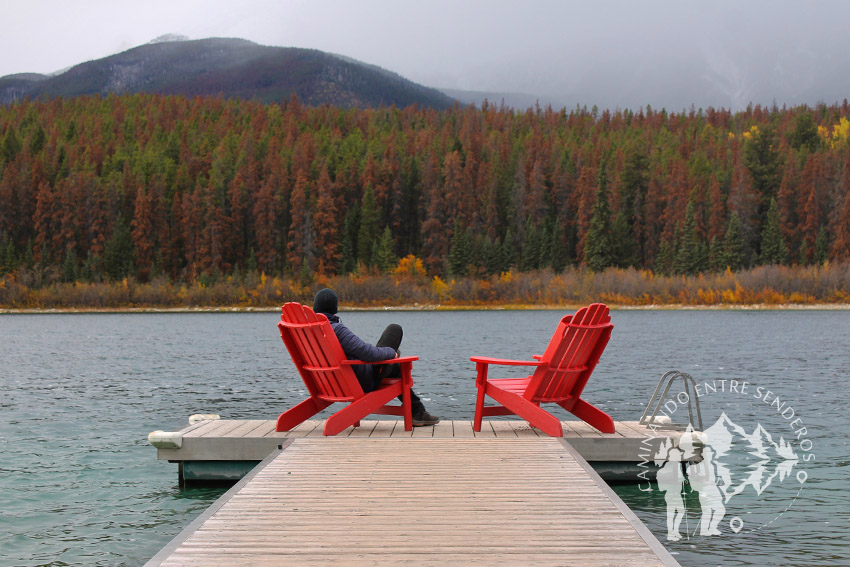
228,449
370,500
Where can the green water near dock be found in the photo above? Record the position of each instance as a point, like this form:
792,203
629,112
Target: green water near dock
79,484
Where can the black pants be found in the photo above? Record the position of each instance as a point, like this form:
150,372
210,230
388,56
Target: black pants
391,337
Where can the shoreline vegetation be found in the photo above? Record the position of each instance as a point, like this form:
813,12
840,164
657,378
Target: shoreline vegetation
763,287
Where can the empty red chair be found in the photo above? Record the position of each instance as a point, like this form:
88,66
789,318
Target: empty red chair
560,376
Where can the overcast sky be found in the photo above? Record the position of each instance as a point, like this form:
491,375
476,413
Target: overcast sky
615,54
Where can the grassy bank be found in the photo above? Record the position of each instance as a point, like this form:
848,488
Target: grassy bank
767,286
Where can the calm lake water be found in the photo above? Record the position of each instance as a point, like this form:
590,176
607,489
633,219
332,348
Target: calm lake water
79,485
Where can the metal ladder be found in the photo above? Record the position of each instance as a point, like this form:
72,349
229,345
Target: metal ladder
659,399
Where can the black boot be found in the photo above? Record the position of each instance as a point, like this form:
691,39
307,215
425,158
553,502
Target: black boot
422,418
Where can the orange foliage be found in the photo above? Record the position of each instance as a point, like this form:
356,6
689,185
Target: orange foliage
767,285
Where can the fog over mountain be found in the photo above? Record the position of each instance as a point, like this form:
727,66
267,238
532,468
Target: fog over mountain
612,54
727,56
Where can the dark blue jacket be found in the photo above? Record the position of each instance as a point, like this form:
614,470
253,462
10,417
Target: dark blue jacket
356,348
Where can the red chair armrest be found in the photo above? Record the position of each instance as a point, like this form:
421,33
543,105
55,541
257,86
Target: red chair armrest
504,361
399,360
388,361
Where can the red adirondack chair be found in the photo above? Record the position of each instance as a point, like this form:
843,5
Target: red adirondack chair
561,374
329,377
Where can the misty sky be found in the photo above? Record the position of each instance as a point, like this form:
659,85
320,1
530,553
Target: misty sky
670,53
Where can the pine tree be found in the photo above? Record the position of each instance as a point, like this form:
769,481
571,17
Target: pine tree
383,252
301,236
634,184
350,228
118,252
733,244
368,232
70,271
623,248
327,225
492,256
773,248
559,253
509,251
530,255
715,256
37,140
544,240
763,161
5,264
805,134
265,224
664,259
689,257
251,262
92,270
10,146
142,233
841,241
822,246
803,254
599,248
460,251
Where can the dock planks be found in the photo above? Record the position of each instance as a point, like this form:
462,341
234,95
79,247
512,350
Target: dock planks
254,439
386,500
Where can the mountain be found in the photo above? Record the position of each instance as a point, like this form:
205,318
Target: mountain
746,459
232,68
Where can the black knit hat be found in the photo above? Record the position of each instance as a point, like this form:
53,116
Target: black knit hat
325,302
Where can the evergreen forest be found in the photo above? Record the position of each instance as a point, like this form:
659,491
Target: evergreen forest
122,192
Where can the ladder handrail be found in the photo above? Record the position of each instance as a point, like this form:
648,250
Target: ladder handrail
689,389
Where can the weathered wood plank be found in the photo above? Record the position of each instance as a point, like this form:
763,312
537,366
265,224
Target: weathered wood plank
444,429
303,429
398,431
463,429
208,427
524,429
426,431
246,427
197,429
384,428
503,429
223,440
486,430
581,429
265,429
365,429
423,501
318,431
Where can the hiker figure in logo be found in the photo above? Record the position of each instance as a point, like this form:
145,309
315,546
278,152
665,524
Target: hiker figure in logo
703,479
671,480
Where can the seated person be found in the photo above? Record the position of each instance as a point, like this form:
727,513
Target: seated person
370,375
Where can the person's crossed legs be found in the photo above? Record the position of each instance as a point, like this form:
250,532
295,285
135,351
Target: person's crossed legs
391,337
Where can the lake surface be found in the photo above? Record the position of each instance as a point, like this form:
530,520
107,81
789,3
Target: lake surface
79,484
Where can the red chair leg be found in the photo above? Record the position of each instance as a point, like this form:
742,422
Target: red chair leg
300,413
531,412
407,409
479,409
406,400
358,409
590,414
